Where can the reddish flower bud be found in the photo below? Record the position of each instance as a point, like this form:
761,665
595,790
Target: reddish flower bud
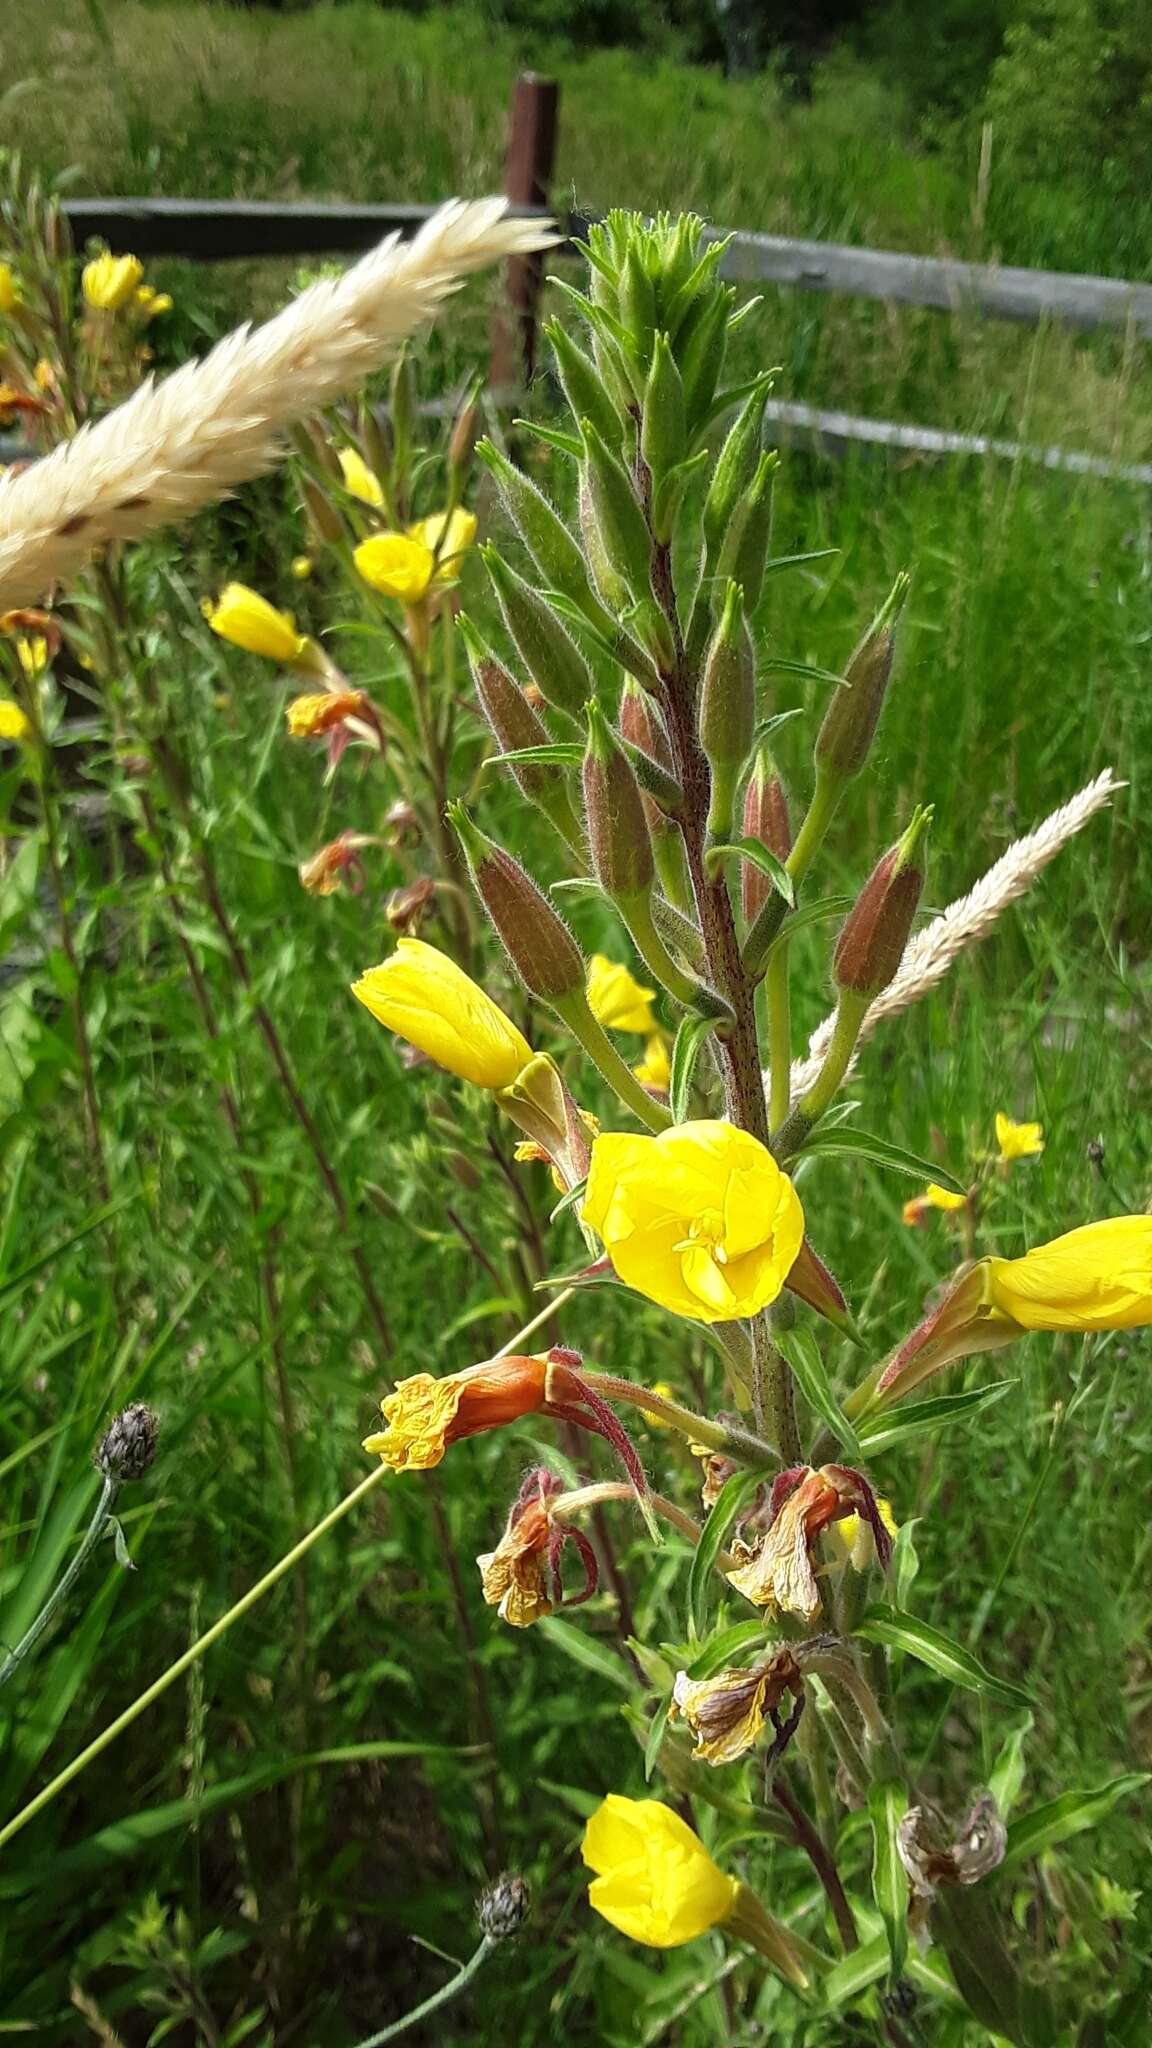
535,937
618,833
871,945
766,819
849,728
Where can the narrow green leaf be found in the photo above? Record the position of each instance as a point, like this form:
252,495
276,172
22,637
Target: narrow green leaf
900,1631
775,563
558,754
729,1501
887,1805
1068,1815
1007,1775
493,1305
809,914
656,1729
854,1973
585,1649
571,1199
718,1651
685,1052
802,1352
851,1143
760,857
878,1432
553,437
804,668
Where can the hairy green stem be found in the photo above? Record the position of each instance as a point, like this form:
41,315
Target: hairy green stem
438,1999
574,1011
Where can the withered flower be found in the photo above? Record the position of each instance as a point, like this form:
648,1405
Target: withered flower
932,1861
335,865
401,825
726,1713
521,1577
406,907
778,1573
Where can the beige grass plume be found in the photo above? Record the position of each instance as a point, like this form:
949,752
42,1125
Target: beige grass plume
931,953
177,445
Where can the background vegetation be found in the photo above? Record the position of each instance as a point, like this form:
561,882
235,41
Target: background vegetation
256,1858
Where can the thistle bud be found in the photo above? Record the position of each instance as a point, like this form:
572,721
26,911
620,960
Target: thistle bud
547,650
663,434
584,388
515,724
556,552
617,828
735,467
849,728
728,707
504,1907
871,945
535,937
766,819
615,512
746,542
128,1445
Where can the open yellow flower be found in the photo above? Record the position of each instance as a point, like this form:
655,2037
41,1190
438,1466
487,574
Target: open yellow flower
1096,1278
109,282
358,478
699,1219
655,1069
616,998
655,1880
425,998
917,1211
396,566
247,620
14,725
451,533
1018,1141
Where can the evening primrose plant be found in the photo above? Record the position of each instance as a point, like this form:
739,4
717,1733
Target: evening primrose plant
628,694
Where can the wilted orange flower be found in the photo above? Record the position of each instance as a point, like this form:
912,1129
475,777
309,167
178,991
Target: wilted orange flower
521,1577
337,715
335,865
726,1713
778,1573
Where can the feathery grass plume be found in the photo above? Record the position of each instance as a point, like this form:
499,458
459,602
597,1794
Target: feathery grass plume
178,445
931,953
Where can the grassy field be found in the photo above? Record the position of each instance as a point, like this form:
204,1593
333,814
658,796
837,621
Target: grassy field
255,1860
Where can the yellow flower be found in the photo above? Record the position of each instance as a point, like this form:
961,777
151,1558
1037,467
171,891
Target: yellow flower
396,566
9,289
655,1880
655,1069
150,303
249,621
108,282
616,998
13,724
1018,1141
451,532
853,1537
916,1211
32,655
424,997
358,478
1095,1278
699,1219
302,567
424,1415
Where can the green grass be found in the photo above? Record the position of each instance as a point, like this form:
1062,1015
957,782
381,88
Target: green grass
261,1799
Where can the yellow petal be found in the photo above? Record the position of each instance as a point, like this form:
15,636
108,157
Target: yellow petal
655,1069
358,478
246,619
656,1881
395,566
13,723
943,1198
1095,1278
1018,1141
450,533
108,282
425,998
616,998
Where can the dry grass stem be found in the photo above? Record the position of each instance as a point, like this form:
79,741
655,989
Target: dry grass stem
180,444
931,953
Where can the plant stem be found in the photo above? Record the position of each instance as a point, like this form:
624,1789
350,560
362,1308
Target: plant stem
573,1010
715,1436
773,1389
439,1998
65,1583
779,1014
817,1854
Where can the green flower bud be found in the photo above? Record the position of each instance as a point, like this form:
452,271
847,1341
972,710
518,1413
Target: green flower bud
637,299
728,708
556,552
749,534
583,385
663,436
548,652
615,512
614,810
514,725
766,819
876,931
735,468
324,521
648,624
701,357
845,738
534,935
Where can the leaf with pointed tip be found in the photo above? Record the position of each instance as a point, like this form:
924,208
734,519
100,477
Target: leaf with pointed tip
1067,1815
557,753
802,1352
778,562
728,1503
887,1805
552,437
880,1431
804,668
849,1142
809,914
753,850
897,1630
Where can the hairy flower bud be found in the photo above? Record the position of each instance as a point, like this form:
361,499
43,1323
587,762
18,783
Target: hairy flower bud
556,552
128,1445
504,1907
611,506
663,433
735,467
548,651
534,935
583,386
746,542
617,828
701,356
766,819
515,725
845,738
728,707
876,931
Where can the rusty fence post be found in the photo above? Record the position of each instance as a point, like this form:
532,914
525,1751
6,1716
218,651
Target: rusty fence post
527,175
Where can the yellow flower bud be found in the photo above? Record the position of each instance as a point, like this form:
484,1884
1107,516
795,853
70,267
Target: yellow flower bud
150,303
1095,1278
13,723
32,655
249,621
1018,1141
302,567
396,566
109,282
361,481
655,1880
655,1069
616,998
699,1219
425,998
